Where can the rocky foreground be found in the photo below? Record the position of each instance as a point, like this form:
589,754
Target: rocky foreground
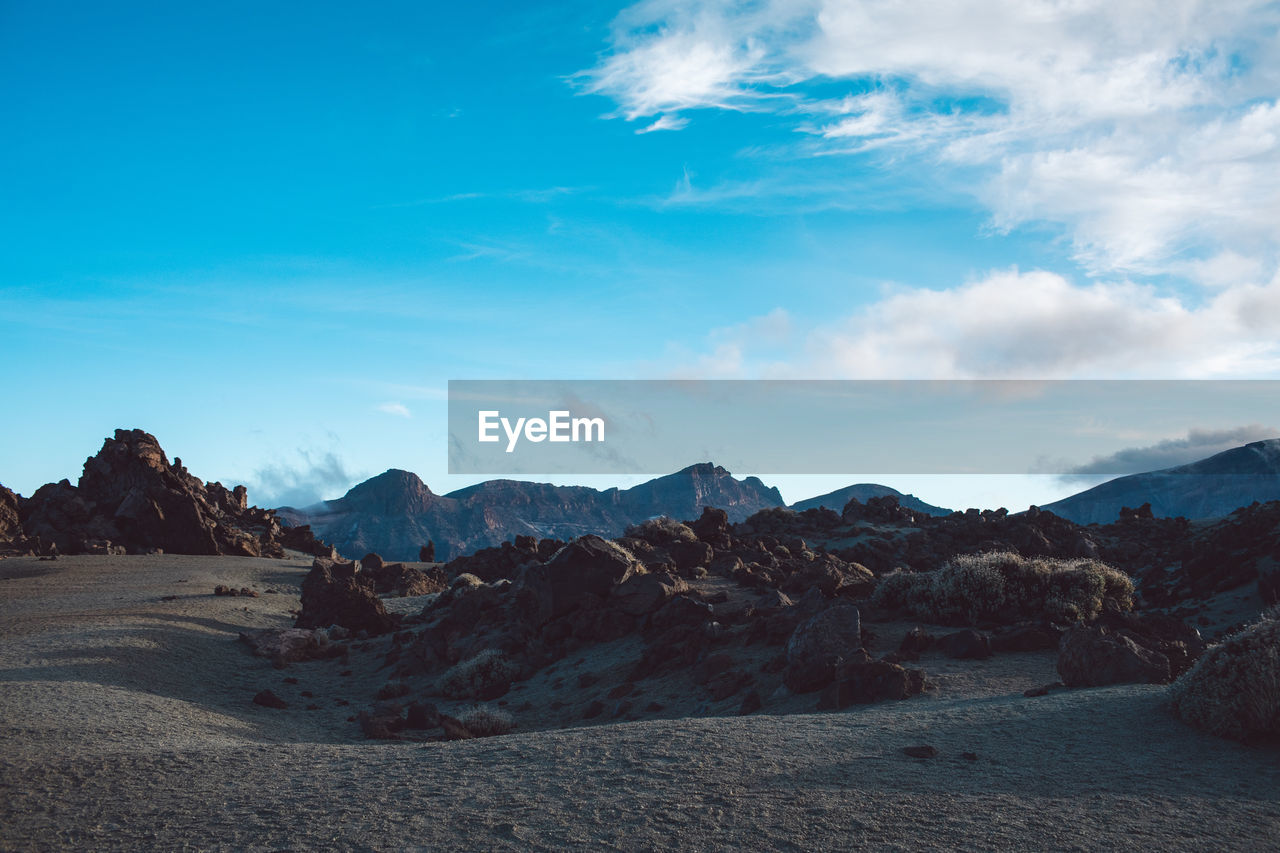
127,722
779,613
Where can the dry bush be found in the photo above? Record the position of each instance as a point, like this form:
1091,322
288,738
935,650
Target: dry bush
661,530
1233,691
1006,587
486,721
467,678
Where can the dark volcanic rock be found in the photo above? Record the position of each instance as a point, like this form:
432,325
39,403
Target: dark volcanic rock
1092,656
268,699
130,495
641,595
589,566
819,645
331,595
10,523
862,682
965,644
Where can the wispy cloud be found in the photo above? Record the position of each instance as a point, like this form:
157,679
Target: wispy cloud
665,123
310,478
530,196
398,409
1149,131
1195,445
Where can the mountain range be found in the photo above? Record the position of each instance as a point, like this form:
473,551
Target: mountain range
395,513
864,492
1208,488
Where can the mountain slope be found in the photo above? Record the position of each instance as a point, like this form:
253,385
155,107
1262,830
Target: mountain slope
864,491
395,513
1205,489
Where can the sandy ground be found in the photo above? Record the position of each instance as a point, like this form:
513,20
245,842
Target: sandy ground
125,723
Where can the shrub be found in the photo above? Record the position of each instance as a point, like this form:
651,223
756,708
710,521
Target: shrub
1233,691
468,678
661,530
1006,587
486,721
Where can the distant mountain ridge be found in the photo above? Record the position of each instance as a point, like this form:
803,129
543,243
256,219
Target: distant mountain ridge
1209,488
395,513
865,491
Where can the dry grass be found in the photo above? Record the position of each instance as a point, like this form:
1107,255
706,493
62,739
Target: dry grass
1006,587
1233,691
468,678
661,530
487,721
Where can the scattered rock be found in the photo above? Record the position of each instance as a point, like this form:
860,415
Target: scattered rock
924,751
268,699
1043,690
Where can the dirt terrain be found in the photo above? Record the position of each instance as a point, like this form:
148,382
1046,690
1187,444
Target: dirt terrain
126,719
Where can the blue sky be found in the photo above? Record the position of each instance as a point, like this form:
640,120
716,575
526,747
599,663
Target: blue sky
270,233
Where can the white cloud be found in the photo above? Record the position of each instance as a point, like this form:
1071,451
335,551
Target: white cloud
666,122
400,410
1149,130
1012,324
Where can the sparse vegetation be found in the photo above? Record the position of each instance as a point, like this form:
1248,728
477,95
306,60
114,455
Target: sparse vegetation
470,677
661,530
1006,587
486,721
1233,691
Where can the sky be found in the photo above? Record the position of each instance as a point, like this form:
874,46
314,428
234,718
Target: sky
271,233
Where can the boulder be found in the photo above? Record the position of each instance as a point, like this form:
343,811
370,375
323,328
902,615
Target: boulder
268,699
1093,656
820,644
589,565
643,594
966,644
332,596
1026,638
681,611
916,641
860,682
712,527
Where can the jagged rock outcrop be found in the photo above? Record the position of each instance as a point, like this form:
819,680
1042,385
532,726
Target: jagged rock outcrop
131,497
10,523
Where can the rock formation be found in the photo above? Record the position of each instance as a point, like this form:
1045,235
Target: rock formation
130,498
